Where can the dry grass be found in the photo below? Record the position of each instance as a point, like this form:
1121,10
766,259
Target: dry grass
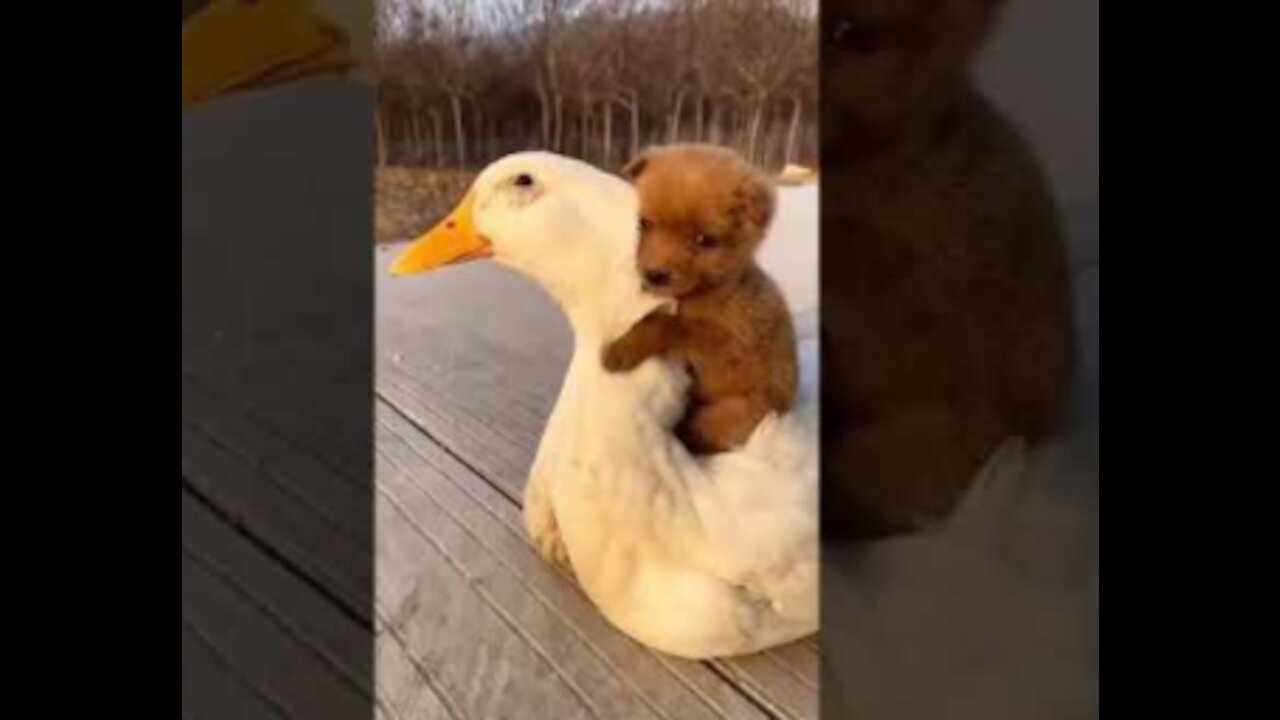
410,200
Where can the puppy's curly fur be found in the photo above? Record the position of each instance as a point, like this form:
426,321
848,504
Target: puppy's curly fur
703,213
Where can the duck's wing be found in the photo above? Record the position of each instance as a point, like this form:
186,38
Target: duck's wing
758,509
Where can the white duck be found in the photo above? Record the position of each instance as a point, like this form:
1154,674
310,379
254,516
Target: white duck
695,557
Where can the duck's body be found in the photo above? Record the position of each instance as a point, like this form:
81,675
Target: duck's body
695,557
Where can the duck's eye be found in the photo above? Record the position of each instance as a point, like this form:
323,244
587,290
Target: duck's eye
645,225
857,35
704,241
524,180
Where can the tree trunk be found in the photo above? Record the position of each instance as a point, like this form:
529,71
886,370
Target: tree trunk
477,123
559,136
673,122
793,132
715,132
437,138
635,124
753,130
584,130
607,151
460,131
699,133
380,135
544,103
415,136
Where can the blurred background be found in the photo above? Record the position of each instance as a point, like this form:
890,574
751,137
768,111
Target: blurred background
463,82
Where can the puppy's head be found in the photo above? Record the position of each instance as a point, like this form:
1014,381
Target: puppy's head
703,212
888,63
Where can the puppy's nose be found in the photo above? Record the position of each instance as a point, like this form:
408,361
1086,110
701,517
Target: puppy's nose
657,278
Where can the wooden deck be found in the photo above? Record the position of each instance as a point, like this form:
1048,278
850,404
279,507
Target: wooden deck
471,623
277,517
279,597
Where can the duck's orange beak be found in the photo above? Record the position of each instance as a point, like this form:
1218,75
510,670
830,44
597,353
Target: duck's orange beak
453,241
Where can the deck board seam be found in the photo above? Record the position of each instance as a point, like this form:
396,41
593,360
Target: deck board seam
663,662
272,702
788,670
426,674
493,605
261,467
240,529
446,408
747,687
250,411
213,568
688,683
383,703
594,649
447,450
504,458
517,530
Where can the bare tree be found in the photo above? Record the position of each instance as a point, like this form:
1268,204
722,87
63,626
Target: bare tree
474,79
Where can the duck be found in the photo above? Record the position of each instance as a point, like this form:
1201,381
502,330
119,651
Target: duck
696,557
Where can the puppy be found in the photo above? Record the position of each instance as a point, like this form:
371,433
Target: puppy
947,318
703,213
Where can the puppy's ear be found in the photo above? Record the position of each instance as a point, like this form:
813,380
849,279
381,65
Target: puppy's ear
758,200
634,169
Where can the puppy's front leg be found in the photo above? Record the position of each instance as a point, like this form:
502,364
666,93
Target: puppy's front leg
658,333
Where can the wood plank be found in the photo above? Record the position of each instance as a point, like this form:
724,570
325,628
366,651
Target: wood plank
448,625
330,434
534,592
799,658
334,637
481,440
483,389
535,624
416,314
772,685
292,528
405,691
211,687
260,648
345,502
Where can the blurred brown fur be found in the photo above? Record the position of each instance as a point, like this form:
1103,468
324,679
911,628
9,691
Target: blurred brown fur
947,321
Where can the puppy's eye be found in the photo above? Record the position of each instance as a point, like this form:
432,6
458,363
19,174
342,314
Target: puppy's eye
857,35
704,241
645,225
524,180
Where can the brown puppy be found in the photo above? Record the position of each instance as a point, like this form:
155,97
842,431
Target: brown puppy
947,321
703,213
